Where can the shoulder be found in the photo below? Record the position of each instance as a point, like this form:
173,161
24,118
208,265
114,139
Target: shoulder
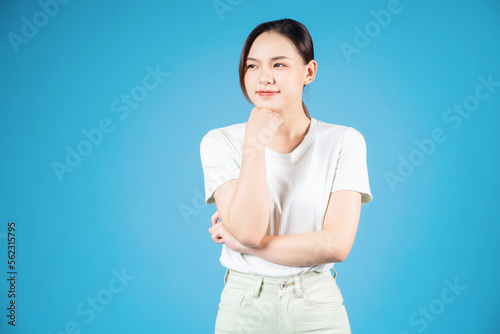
230,134
340,132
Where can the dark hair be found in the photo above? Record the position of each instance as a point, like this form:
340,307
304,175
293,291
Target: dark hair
295,31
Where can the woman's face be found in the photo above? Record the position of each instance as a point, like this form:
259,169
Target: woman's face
287,75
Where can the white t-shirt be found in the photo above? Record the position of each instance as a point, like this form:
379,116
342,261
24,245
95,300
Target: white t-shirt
330,157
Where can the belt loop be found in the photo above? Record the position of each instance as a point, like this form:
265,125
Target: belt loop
298,286
258,284
225,276
335,275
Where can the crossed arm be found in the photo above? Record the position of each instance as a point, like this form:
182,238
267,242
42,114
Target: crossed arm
331,244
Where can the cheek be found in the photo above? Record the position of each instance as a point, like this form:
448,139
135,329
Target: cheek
249,84
291,89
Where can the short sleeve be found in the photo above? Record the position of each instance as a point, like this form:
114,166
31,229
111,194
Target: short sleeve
351,171
219,162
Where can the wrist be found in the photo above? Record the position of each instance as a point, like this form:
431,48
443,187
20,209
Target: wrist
252,147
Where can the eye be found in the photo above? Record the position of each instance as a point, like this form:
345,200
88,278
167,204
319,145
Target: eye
250,65
280,64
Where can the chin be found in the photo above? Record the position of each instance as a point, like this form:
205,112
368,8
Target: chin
263,103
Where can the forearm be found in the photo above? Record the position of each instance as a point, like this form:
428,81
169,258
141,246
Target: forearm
299,250
249,208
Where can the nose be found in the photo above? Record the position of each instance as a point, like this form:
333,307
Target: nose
266,76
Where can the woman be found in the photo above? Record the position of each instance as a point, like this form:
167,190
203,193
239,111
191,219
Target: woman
288,190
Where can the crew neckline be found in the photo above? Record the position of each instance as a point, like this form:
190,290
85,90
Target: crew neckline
299,150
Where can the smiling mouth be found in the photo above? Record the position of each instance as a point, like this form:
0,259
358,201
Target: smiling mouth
267,93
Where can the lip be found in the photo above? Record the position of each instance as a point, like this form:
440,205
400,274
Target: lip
267,92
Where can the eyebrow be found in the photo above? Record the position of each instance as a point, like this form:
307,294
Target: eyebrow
274,58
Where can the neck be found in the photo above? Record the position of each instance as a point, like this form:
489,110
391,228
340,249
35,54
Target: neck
295,124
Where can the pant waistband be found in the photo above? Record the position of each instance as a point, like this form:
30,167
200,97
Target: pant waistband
263,284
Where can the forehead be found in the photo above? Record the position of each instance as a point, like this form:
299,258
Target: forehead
268,45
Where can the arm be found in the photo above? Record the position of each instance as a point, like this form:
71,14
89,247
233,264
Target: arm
332,244
242,199
243,203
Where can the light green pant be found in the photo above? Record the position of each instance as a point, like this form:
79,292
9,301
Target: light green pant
308,303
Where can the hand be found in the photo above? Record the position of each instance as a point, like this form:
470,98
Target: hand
220,235
262,125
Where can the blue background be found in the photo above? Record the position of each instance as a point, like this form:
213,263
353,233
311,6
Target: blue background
135,202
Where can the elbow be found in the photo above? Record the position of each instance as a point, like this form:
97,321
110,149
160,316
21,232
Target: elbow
247,232
339,255
249,243
247,238
334,249
250,240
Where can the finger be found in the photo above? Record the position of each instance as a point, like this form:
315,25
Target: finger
214,227
215,230
214,237
214,217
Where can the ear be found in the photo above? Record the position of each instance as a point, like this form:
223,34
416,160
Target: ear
312,68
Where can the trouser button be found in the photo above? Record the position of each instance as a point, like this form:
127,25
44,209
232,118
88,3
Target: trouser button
283,285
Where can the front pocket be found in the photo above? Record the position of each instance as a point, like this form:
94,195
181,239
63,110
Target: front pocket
324,293
233,299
